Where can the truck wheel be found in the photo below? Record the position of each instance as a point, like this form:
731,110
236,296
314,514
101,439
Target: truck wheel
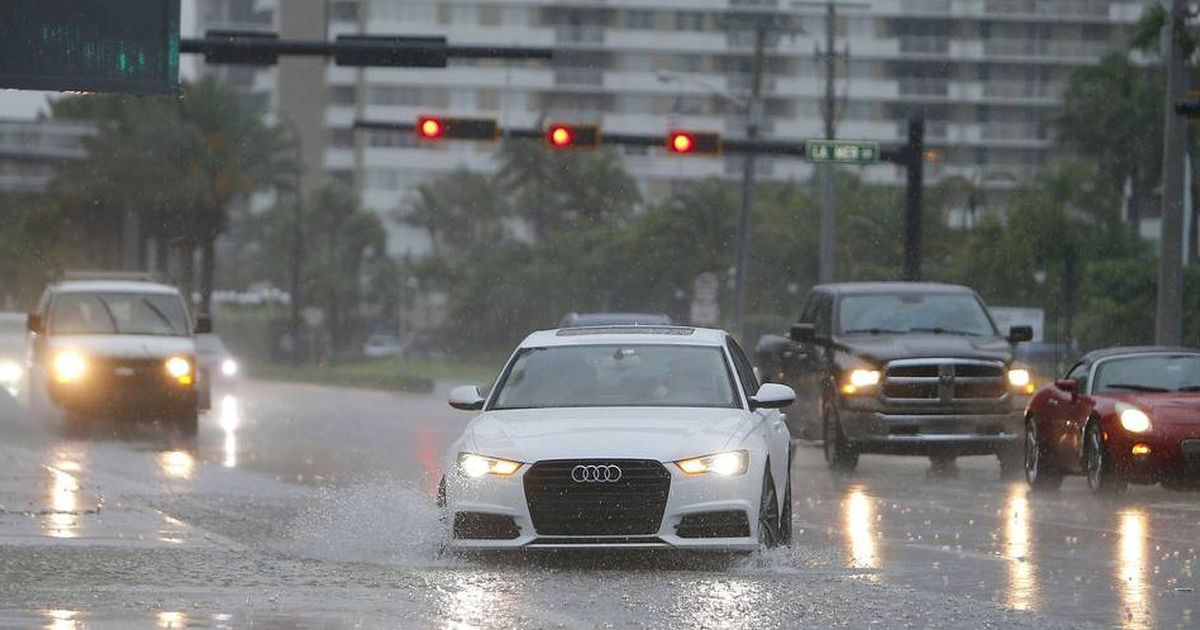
188,423
839,455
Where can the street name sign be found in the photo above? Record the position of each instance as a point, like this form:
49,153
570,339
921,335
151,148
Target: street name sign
842,151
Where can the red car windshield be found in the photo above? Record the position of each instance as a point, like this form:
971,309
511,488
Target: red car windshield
1149,373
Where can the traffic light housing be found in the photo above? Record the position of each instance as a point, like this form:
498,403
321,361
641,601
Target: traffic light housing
442,128
562,136
685,142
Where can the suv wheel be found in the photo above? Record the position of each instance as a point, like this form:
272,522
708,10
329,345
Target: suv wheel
839,455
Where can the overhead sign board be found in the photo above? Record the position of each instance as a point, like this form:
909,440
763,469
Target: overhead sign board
129,46
842,151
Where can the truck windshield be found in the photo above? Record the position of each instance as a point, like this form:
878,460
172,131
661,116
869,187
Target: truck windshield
900,313
617,376
117,313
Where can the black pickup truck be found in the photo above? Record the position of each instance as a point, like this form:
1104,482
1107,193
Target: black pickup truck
902,368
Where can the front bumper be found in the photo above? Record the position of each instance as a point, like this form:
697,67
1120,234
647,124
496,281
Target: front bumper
133,397
1168,459
687,497
871,431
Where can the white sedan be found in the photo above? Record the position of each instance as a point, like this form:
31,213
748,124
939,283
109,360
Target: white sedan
622,436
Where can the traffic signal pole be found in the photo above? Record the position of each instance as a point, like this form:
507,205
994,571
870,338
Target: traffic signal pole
753,109
915,158
1168,325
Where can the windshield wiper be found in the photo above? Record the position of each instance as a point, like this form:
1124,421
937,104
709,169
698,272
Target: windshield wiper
1138,388
938,330
112,318
161,315
874,331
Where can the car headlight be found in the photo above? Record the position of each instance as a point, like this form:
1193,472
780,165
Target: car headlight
1133,419
69,366
476,466
229,367
180,369
1021,379
860,379
10,371
726,464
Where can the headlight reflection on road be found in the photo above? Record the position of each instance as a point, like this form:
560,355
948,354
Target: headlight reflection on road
1136,610
859,514
230,419
475,602
721,601
1022,579
177,464
171,620
62,620
63,519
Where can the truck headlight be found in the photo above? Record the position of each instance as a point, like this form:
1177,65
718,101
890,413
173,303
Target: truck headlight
860,379
229,367
69,366
476,466
1133,419
725,464
1021,379
180,369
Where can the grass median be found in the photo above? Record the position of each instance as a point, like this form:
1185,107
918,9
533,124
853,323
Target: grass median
404,375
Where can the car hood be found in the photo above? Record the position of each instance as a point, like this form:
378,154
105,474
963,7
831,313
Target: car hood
664,434
125,346
1169,408
884,348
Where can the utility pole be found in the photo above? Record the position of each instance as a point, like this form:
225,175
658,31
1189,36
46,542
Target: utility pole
754,110
827,259
1169,316
915,155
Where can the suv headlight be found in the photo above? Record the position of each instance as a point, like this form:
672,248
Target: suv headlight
476,466
725,464
1133,419
180,369
69,366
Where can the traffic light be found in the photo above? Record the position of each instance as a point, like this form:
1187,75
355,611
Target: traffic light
571,136
438,128
702,142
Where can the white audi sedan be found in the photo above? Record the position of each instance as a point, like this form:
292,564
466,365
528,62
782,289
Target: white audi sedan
622,436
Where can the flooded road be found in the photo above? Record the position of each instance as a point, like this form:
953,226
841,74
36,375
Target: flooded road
309,506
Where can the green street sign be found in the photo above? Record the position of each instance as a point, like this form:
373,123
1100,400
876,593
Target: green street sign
843,151
90,45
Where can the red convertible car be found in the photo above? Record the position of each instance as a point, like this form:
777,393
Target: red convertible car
1121,416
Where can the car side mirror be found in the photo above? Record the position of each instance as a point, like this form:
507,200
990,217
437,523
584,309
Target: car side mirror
803,333
1019,334
33,323
1069,385
466,398
772,396
204,325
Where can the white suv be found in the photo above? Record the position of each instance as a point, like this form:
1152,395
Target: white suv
119,349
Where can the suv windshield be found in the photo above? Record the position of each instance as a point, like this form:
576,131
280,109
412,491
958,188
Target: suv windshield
117,313
898,313
617,376
1153,373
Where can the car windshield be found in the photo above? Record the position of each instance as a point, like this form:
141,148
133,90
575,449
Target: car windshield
118,313
1148,373
617,376
899,313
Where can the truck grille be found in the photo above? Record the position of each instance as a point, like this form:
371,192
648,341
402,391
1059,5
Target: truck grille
631,505
945,380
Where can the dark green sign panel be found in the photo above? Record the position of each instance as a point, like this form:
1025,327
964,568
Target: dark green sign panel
843,151
127,46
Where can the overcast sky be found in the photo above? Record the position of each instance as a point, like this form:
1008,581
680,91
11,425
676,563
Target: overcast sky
27,104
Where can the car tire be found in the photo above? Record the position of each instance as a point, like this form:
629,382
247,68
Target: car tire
768,513
839,455
785,512
1039,474
187,423
1103,478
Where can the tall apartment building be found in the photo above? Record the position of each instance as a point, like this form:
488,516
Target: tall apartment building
987,74
31,151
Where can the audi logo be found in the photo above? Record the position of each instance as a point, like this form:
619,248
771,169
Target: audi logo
596,473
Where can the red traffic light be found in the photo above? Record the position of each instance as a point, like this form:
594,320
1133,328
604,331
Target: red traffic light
430,128
683,142
562,136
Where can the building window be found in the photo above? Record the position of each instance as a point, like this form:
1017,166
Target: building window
341,95
342,137
345,11
639,19
689,21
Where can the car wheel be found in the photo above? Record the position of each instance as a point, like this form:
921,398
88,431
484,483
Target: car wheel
785,513
768,513
188,423
839,455
1039,473
1102,476
1012,461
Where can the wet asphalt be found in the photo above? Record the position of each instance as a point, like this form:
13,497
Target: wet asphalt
308,506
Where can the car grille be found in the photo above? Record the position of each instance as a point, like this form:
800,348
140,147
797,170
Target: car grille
632,505
946,380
